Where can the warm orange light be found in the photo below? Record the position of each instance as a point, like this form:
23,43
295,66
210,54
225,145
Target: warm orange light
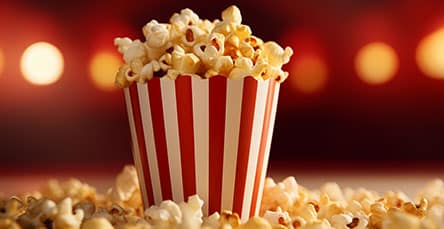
430,54
103,68
308,74
2,60
42,63
376,63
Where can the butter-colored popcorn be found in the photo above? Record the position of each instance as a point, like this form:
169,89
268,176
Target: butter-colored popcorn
165,62
399,219
166,215
97,223
377,216
340,221
318,224
126,185
333,191
185,62
11,207
130,49
275,54
193,34
148,70
157,35
229,218
191,212
65,217
37,212
256,223
278,217
434,218
232,15
433,192
212,221
186,17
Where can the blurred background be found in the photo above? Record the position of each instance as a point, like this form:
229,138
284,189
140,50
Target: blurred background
366,82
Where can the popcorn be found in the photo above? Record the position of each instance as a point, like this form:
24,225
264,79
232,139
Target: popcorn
65,217
285,204
256,223
157,35
38,213
278,217
191,212
190,45
97,223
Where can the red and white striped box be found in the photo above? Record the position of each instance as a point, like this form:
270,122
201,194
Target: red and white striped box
206,136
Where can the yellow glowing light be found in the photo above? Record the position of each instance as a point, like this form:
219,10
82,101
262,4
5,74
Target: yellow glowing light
376,63
42,63
309,74
430,54
2,60
103,68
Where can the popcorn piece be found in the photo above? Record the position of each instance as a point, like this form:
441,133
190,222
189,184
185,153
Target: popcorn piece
168,214
11,207
147,72
333,191
97,223
65,217
38,213
232,15
211,221
275,54
256,223
398,219
341,221
278,217
191,212
157,35
131,50
186,17
185,62
230,218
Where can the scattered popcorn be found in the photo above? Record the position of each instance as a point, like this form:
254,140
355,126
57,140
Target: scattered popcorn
285,204
188,45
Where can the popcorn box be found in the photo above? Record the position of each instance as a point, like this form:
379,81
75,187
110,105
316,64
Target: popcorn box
206,136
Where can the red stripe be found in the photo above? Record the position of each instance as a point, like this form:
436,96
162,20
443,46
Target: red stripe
159,136
141,142
264,135
217,97
184,101
246,125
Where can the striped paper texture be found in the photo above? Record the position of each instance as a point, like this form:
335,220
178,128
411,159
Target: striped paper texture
206,136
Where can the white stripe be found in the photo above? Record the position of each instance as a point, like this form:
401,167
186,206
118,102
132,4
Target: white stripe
267,147
258,121
135,147
148,131
201,138
232,125
172,136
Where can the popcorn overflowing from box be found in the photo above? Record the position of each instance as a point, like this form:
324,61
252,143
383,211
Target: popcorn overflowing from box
286,204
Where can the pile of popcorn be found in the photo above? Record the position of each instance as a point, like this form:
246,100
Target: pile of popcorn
189,45
286,204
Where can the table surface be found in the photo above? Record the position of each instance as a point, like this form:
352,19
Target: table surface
406,177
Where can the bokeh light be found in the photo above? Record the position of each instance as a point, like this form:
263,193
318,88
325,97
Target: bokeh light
42,63
376,63
103,68
430,54
308,74
2,61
